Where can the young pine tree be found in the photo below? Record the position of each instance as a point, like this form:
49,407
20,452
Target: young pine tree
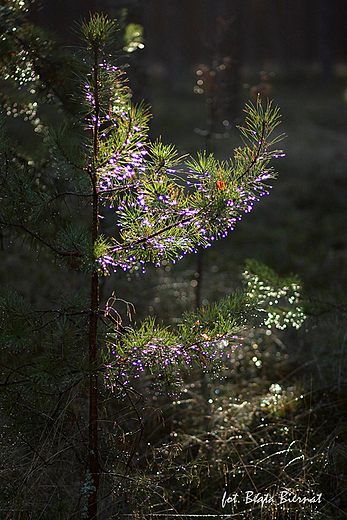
63,367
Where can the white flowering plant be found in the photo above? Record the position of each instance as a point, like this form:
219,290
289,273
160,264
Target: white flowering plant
278,299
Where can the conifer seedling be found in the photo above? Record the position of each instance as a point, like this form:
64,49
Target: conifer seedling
103,167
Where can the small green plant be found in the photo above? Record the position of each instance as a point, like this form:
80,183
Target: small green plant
108,200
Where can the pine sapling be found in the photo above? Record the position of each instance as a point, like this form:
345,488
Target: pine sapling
160,207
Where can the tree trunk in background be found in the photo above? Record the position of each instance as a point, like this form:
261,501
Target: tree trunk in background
227,46
323,40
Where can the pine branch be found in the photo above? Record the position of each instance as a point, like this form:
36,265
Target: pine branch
44,64
157,233
119,189
42,240
14,371
68,159
256,156
66,194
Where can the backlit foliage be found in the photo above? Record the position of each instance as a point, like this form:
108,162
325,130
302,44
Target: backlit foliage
105,199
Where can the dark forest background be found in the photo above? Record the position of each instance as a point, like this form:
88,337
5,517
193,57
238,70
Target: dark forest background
293,51
180,34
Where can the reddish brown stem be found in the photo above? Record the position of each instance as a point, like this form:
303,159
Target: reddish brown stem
93,399
93,346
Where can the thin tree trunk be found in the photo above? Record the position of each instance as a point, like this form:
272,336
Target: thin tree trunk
93,400
93,347
93,380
